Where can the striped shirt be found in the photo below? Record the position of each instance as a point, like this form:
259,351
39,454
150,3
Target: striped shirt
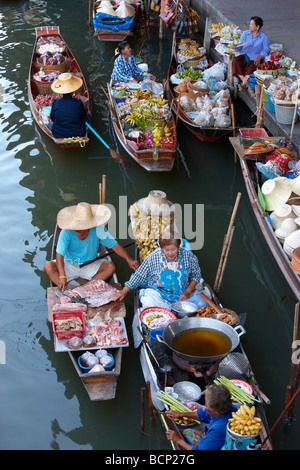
124,70
150,268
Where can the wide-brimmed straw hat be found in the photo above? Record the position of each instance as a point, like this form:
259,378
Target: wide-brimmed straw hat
287,227
156,203
66,83
83,216
123,10
106,7
295,185
276,192
295,263
280,214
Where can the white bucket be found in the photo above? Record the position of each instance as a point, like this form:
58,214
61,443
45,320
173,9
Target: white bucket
285,114
143,67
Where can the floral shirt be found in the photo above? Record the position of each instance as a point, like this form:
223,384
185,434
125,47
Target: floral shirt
124,70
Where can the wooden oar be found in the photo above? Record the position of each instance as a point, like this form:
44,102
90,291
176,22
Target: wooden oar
111,252
115,155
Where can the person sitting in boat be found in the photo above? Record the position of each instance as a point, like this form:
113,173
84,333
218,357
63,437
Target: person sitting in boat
216,413
68,114
82,227
171,273
253,47
125,65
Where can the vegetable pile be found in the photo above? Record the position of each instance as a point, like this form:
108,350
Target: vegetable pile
269,65
238,395
175,405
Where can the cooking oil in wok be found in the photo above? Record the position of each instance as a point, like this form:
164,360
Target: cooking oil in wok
202,342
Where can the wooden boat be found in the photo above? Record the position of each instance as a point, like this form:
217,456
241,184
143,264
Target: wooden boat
157,159
251,178
70,65
117,34
99,385
204,134
167,371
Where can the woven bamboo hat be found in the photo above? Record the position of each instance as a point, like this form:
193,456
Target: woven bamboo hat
280,214
83,216
295,185
276,192
106,7
295,263
156,203
124,9
292,242
287,227
66,83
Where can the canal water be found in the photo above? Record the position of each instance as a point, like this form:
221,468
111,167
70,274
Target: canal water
43,403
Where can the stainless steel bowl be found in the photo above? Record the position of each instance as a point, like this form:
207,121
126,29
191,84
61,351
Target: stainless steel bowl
183,308
187,391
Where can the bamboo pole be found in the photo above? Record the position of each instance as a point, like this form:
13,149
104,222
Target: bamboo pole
225,245
150,403
103,189
100,193
233,125
260,119
296,109
142,426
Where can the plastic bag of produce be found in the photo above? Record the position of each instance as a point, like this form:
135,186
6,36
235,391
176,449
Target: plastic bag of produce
223,120
204,119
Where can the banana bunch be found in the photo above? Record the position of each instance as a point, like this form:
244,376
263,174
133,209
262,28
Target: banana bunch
157,135
145,246
157,101
149,112
167,131
244,421
190,52
216,27
142,95
148,227
133,117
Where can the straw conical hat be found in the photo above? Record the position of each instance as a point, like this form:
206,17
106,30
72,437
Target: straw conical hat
293,240
295,263
106,7
295,185
257,148
287,227
155,203
66,83
83,216
280,214
276,192
125,10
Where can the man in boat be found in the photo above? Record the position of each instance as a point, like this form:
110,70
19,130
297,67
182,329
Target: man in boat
216,413
68,114
82,228
171,273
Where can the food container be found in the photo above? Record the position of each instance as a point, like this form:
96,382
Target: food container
153,333
112,365
44,82
84,369
70,333
184,308
187,391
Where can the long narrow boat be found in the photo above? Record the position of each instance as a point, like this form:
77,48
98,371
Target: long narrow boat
251,179
116,31
167,369
204,134
157,159
34,89
98,385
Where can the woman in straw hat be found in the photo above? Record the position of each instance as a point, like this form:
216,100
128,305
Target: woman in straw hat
82,229
171,273
125,65
68,114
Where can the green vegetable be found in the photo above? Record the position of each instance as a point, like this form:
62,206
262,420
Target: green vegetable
176,404
193,74
238,395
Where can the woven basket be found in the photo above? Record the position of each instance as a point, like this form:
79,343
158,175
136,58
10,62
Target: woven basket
59,67
191,63
43,88
202,91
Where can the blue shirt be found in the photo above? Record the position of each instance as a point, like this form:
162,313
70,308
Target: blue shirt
215,432
260,45
124,70
68,116
77,251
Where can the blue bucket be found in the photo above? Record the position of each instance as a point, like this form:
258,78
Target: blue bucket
270,103
153,333
112,365
252,81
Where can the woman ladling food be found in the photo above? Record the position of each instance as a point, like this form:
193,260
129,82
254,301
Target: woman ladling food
253,47
171,272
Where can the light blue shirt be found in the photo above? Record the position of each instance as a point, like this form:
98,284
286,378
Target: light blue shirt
260,45
77,251
124,70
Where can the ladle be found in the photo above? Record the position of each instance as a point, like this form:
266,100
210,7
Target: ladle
210,302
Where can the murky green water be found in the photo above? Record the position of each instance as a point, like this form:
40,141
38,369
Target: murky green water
43,403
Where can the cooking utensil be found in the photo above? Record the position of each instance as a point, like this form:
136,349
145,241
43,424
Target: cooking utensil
178,326
235,366
183,308
147,346
187,391
79,300
210,302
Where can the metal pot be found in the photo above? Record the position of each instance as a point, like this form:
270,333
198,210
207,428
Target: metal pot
183,308
176,327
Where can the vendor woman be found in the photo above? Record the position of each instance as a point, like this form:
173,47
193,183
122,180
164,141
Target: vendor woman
125,66
253,47
171,273
68,114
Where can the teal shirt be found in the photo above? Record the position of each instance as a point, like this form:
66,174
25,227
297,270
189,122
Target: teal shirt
77,251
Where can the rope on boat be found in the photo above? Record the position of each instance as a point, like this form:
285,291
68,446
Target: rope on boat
71,140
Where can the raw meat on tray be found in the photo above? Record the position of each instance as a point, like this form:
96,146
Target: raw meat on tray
96,293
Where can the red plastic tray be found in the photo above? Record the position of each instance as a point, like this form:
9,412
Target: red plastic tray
71,333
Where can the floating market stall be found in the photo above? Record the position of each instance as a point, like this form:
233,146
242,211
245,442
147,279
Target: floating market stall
270,170
143,123
51,56
114,21
176,377
199,93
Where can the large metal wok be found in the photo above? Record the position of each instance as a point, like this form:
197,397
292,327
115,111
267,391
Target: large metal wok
176,327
